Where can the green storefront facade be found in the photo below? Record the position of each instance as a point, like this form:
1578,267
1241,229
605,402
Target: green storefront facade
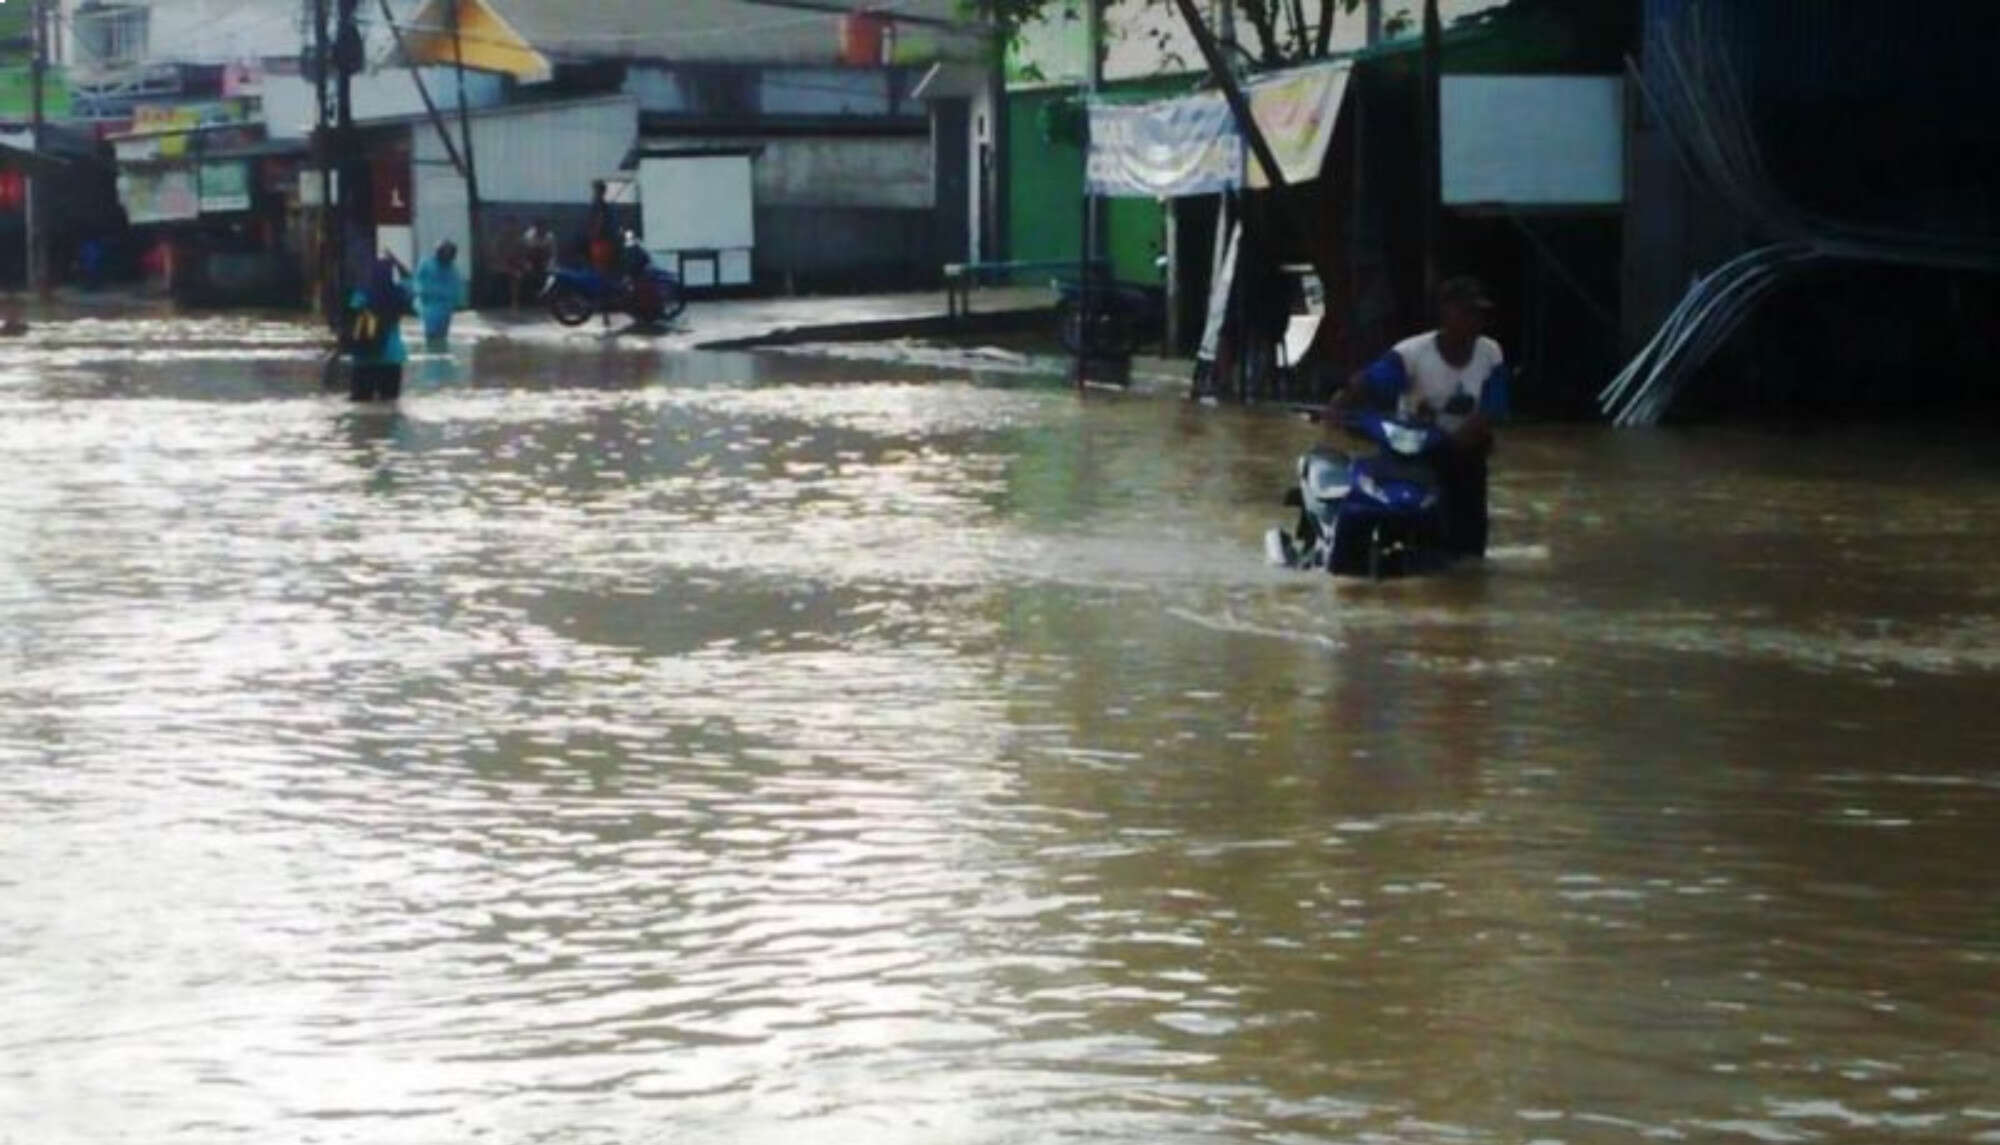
1045,183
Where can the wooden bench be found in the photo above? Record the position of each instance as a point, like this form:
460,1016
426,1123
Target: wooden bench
960,278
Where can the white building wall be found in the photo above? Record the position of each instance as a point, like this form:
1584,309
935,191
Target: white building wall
440,210
538,154
224,31
544,154
839,171
289,101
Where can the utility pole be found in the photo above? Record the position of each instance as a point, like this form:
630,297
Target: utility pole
327,255
1222,67
465,142
37,223
347,59
1432,147
1229,354
1093,75
1374,22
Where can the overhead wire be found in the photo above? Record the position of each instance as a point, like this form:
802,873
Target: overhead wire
1702,105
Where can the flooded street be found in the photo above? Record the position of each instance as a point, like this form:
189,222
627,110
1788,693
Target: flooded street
616,747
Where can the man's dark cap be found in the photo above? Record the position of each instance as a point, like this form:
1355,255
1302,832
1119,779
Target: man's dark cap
1464,290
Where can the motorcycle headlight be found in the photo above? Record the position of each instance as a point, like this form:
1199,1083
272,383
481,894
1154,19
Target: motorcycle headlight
1403,439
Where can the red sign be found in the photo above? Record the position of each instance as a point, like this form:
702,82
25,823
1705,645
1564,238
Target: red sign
390,179
13,191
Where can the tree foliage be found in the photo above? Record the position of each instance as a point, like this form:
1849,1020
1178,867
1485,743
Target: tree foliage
1270,33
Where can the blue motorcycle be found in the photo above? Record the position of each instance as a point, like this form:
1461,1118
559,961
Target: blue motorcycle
646,293
1375,516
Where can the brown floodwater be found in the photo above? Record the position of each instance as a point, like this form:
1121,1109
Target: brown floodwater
613,746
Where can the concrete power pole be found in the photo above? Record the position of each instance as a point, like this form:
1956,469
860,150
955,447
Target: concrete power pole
348,53
325,274
1374,10
472,211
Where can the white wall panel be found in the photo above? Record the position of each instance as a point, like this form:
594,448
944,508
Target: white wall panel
1534,141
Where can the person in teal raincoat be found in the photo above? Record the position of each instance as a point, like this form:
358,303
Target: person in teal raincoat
440,292
375,340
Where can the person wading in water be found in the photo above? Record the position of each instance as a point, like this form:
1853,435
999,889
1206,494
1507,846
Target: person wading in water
373,335
1456,377
440,292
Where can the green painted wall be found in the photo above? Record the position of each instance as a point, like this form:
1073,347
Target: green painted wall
1136,237
1044,183
1045,197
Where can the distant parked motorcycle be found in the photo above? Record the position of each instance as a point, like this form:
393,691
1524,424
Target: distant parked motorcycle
1121,316
648,294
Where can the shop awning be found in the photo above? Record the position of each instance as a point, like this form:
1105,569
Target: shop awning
21,161
485,42
1190,145
949,80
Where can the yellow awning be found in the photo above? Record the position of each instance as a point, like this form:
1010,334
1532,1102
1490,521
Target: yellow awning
486,42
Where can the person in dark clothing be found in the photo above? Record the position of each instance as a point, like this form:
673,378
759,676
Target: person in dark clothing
1456,377
599,236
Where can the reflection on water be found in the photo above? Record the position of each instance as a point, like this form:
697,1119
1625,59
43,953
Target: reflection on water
606,746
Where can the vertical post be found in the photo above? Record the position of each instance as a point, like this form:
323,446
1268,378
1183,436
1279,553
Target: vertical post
37,226
324,274
1431,146
1229,349
1093,40
465,139
1173,283
1374,21
998,126
347,58
1219,66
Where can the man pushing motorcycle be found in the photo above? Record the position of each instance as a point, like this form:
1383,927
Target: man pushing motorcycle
1457,378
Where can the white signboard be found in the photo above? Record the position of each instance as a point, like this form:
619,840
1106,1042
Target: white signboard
1533,141
700,203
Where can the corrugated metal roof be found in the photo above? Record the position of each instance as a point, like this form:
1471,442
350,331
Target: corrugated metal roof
16,159
721,30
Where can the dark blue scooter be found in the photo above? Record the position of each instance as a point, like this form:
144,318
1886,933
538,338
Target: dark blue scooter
1374,516
647,293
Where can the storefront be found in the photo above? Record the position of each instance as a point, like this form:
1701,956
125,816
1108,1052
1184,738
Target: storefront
214,203
1233,252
